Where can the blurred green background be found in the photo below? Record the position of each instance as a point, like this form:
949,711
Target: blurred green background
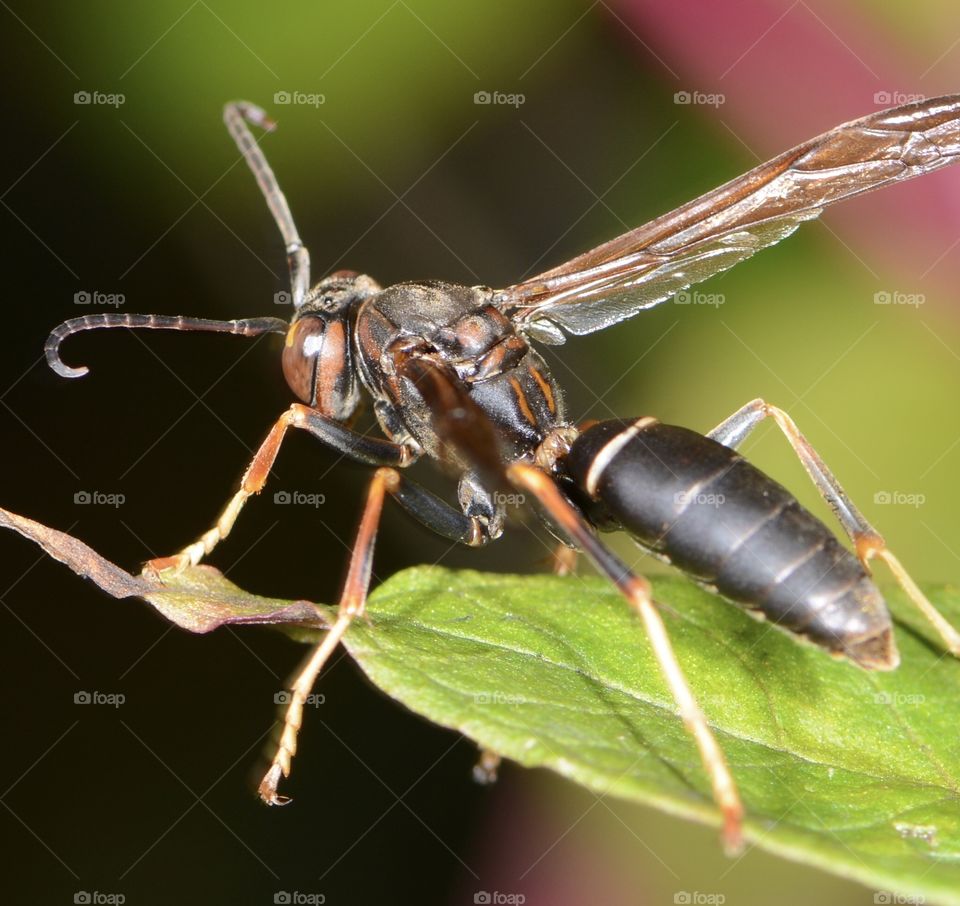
399,173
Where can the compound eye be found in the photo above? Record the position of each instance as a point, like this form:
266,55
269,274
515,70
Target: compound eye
316,364
304,339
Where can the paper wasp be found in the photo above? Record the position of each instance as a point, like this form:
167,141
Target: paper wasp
453,377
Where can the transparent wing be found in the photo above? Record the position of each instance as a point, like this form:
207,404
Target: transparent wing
716,231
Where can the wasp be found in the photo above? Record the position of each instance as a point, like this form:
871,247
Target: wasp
455,377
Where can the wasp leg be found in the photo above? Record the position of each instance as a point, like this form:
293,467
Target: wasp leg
353,600
424,506
867,541
487,766
367,450
478,522
463,426
638,593
563,561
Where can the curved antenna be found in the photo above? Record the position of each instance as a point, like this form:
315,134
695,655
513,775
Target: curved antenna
248,327
236,115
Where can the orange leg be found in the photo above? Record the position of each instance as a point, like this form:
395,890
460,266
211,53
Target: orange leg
867,541
467,428
637,592
564,560
361,449
352,603
252,483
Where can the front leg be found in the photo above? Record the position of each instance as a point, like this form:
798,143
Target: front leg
367,450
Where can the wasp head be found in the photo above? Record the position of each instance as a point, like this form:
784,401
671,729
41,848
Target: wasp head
318,354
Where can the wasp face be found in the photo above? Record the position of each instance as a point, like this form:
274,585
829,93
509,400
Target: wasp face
318,354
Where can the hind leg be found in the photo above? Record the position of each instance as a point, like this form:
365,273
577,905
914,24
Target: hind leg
867,541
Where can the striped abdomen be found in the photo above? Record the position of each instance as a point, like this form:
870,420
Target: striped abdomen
708,511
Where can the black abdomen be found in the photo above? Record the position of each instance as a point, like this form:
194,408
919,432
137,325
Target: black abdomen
707,510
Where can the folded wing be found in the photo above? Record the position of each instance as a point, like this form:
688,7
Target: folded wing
650,264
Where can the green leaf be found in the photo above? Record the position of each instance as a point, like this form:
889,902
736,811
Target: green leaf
855,772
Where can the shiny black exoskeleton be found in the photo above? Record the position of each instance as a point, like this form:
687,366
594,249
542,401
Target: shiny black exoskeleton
453,377
684,497
702,507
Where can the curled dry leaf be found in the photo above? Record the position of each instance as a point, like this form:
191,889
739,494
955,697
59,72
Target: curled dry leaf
199,599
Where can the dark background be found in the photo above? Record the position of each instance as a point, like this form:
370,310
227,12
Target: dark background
154,799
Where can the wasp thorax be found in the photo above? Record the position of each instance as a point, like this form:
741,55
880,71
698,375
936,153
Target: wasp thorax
316,364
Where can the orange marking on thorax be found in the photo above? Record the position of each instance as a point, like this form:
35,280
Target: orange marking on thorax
545,389
522,402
